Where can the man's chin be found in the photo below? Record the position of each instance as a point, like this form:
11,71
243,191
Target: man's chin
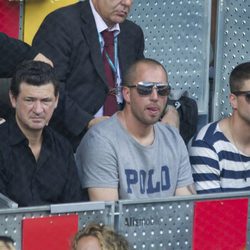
152,120
37,126
119,19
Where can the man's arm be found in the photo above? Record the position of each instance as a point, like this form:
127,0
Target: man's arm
171,117
97,165
72,190
187,190
103,194
3,178
96,120
205,167
55,40
13,52
184,176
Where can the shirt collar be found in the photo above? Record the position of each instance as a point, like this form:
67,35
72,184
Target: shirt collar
15,133
17,136
100,24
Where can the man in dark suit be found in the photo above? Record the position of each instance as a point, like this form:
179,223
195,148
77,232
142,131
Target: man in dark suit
72,38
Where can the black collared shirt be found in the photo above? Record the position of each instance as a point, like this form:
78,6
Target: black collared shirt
51,179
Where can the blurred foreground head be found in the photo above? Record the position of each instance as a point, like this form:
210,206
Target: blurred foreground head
96,237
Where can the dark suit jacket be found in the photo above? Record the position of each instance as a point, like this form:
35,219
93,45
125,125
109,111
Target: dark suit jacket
69,37
13,52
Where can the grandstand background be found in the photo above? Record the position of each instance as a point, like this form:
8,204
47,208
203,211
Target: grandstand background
177,33
180,34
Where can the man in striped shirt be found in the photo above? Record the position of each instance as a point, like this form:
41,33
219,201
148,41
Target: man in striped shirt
220,152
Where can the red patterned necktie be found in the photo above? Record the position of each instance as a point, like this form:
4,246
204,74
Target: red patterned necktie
110,105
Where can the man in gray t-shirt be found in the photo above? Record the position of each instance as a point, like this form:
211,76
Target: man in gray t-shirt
132,155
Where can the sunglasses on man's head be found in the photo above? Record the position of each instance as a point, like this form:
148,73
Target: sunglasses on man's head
244,93
146,88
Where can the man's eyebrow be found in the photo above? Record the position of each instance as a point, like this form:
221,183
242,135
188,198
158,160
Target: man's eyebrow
30,97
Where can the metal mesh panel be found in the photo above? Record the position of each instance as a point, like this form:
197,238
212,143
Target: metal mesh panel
11,223
233,45
11,219
177,34
102,216
157,225
147,224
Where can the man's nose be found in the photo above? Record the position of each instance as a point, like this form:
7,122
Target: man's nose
38,107
127,2
154,94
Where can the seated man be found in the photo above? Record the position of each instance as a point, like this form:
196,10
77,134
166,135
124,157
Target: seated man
36,164
132,155
220,153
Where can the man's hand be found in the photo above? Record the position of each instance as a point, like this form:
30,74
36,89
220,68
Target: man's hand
42,58
1,120
171,117
97,120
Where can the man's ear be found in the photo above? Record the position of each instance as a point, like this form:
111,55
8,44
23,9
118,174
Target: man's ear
126,94
12,100
56,101
233,101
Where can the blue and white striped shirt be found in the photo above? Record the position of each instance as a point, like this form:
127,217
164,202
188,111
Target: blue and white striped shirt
218,166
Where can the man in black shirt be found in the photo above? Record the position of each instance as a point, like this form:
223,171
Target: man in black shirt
36,164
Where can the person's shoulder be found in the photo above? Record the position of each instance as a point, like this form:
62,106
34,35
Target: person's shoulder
207,131
57,139
108,131
4,124
71,10
4,128
170,136
8,135
105,127
168,130
103,133
208,135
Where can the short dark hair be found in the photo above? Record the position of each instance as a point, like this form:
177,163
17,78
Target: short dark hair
34,73
239,74
130,74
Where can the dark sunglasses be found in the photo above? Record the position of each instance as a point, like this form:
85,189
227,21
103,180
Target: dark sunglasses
244,93
146,88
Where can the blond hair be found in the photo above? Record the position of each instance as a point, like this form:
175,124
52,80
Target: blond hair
107,238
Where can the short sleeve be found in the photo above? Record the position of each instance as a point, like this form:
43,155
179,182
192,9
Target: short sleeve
205,167
96,161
